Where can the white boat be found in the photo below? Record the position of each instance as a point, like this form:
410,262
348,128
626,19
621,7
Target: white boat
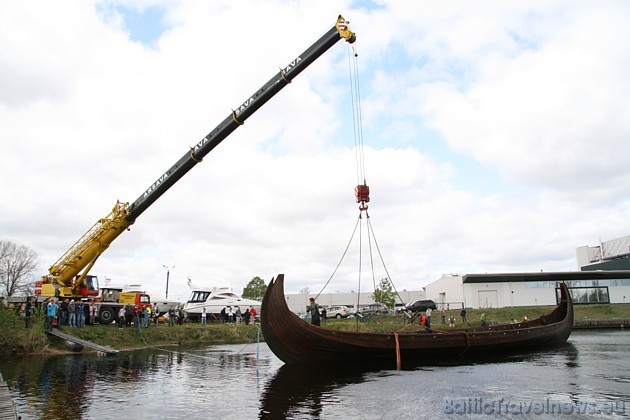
164,305
214,300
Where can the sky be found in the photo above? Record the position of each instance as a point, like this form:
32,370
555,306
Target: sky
496,137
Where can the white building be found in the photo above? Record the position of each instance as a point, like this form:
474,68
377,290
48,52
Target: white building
529,289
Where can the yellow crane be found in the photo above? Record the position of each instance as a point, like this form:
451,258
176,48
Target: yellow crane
68,277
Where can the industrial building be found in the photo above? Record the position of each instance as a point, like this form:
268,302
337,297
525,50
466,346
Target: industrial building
528,289
604,277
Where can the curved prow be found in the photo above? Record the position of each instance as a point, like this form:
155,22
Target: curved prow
566,305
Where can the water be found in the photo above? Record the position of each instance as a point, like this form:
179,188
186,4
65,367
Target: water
591,371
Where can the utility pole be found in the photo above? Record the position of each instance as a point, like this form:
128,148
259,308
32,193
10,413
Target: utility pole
168,272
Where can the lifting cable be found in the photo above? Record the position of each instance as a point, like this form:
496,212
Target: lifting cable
357,122
340,260
362,190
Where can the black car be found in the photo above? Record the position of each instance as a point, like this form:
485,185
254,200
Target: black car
419,305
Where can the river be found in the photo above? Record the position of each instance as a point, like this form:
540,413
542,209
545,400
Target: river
588,377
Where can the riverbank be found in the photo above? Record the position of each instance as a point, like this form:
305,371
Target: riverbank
16,339
131,338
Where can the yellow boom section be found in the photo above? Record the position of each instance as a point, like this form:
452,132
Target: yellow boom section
83,254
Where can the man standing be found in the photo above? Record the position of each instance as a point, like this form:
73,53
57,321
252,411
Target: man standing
137,315
80,314
93,313
72,309
313,309
203,317
147,315
122,316
63,312
171,317
428,318
238,315
27,312
51,312
128,314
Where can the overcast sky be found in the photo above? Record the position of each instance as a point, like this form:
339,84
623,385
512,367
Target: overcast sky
497,137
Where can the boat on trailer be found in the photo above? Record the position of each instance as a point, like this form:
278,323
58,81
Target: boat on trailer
295,341
214,300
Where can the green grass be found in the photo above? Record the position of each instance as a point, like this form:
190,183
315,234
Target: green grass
494,316
129,338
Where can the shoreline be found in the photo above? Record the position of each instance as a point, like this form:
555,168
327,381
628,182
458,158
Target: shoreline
586,324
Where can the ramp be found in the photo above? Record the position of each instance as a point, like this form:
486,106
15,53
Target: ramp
84,343
7,409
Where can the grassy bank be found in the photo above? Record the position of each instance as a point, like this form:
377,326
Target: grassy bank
16,339
131,338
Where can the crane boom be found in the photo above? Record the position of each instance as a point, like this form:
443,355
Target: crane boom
68,276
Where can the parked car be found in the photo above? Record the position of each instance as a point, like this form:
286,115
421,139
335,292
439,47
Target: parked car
419,305
373,309
337,312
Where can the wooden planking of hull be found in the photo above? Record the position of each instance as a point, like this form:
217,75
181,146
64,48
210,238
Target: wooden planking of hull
295,341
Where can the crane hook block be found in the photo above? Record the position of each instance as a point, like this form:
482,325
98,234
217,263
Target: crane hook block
362,193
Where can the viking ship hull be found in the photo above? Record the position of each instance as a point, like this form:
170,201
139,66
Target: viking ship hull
295,341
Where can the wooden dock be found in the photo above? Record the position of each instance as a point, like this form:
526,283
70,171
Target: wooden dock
7,409
618,323
84,343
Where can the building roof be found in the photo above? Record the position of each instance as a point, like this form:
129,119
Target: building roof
543,276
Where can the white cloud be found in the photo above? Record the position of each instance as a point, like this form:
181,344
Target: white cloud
536,93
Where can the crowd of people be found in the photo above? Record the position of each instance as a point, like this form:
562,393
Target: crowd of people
137,315
236,316
64,312
77,313
130,314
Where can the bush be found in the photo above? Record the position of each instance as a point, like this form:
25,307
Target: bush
15,337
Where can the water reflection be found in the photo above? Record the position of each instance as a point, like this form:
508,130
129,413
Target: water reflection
231,382
62,387
302,392
297,391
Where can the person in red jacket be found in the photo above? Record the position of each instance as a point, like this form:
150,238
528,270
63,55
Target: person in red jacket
252,315
423,321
